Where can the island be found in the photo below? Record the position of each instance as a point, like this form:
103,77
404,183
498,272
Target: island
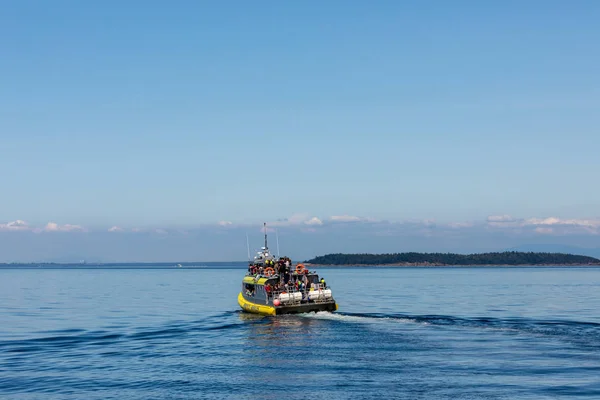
506,258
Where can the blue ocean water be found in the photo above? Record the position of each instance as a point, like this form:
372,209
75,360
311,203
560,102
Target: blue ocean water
400,333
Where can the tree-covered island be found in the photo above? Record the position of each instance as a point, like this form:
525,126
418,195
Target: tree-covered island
449,259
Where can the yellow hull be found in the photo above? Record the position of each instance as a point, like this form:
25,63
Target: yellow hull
255,308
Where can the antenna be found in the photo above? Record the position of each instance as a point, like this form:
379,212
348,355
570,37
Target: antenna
265,226
277,237
248,246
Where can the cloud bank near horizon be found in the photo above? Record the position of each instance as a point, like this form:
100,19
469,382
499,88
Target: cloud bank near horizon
301,236
310,223
20,225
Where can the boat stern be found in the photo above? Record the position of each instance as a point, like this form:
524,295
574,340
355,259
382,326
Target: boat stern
255,308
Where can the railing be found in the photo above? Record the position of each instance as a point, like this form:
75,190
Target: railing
306,292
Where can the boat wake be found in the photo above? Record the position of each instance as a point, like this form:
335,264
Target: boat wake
576,332
581,332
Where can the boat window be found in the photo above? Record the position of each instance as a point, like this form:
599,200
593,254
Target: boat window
250,289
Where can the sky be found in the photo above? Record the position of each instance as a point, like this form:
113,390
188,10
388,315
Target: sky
124,120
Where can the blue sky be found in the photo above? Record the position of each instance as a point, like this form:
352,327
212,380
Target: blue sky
163,116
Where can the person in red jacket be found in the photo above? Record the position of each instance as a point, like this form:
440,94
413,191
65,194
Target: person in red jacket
268,289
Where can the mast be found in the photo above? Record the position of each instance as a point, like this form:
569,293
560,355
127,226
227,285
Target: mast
277,237
265,226
248,246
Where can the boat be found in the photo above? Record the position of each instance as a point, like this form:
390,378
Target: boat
274,286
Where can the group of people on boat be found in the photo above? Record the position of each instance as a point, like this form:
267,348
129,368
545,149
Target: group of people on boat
288,278
269,267
296,283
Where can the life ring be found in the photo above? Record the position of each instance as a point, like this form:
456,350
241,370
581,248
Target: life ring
299,268
269,271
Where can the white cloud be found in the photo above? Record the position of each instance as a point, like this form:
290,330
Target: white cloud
503,221
314,221
507,220
299,220
51,226
18,225
302,221
54,227
500,218
564,226
351,218
591,223
539,221
296,220
498,223
559,225
458,225
345,218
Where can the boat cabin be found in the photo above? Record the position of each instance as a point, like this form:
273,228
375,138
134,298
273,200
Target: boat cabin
266,289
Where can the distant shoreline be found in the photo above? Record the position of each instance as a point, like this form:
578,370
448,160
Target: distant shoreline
413,259
199,264
426,265
341,260
243,265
